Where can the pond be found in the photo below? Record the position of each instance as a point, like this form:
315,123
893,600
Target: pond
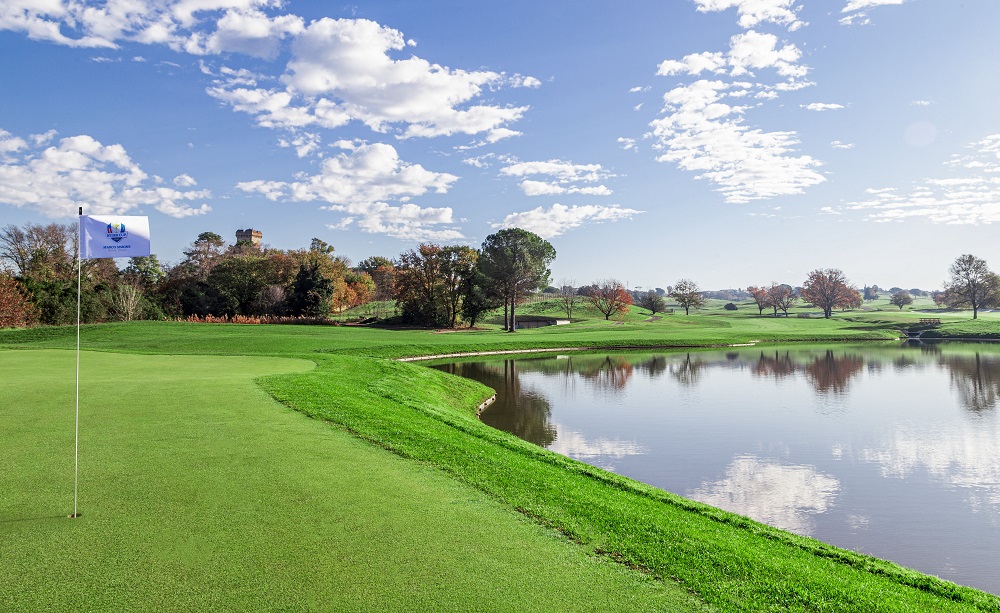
892,450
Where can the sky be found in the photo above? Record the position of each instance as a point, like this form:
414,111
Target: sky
732,142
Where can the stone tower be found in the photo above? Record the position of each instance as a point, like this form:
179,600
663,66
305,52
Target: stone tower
251,235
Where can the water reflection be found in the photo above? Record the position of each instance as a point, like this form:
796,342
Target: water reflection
886,449
519,409
976,379
786,496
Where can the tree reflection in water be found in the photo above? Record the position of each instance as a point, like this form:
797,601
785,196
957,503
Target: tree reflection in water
976,379
525,413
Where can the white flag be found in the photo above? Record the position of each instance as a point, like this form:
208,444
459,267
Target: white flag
113,236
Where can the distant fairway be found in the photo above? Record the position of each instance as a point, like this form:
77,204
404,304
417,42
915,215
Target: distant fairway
199,492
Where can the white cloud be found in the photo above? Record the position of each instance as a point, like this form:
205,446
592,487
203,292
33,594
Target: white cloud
628,144
857,10
747,51
860,5
359,183
566,177
970,196
785,496
343,69
81,171
304,143
340,70
703,135
922,102
753,12
841,145
822,106
184,180
559,218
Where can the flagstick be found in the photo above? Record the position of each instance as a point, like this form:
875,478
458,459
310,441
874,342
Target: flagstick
76,452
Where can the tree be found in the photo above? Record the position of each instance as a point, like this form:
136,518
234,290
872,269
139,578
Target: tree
972,284
516,262
828,289
568,296
311,291
761,297
16,308
204,253
870,293
610,298
458,264
653,302
781,297
901,299
418,284
687,294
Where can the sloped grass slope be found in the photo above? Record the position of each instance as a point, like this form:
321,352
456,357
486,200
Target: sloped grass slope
199,492
733,563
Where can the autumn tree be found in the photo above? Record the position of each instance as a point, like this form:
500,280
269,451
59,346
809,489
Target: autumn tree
652,301
781,297
16,309
901,299
761,296
687,294
828,289
515,262
870,293
972,284
610,298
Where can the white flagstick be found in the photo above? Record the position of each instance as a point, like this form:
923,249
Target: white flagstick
76,452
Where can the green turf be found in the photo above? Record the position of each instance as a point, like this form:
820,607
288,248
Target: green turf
427,417
199,492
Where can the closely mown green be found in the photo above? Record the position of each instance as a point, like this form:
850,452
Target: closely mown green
729,562
198,492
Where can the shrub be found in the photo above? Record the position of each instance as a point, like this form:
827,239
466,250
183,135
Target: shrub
730,306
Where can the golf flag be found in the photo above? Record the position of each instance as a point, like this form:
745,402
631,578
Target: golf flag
113,236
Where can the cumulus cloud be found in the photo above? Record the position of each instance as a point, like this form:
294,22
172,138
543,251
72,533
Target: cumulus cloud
702,134
841,145
361,183
341,70
81,171
753,12
559,218
970,195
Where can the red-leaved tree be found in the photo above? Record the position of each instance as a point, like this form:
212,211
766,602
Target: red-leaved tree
610,298
16,309
828,289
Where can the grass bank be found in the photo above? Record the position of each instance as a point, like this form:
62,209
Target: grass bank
729,562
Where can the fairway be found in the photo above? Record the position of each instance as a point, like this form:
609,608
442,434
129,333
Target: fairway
200,492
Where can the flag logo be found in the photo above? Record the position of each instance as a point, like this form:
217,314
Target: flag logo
116,231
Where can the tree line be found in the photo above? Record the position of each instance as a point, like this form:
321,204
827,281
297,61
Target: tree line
433,285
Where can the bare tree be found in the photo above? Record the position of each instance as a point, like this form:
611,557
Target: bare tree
687,294
568,296
972,284
126,302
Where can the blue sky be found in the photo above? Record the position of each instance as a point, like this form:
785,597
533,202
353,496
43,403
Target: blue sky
734,142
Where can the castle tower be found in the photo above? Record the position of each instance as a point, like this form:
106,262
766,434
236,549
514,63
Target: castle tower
250,235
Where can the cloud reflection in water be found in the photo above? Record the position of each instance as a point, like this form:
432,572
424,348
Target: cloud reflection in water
785,496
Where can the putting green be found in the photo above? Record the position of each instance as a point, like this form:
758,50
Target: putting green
198,491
